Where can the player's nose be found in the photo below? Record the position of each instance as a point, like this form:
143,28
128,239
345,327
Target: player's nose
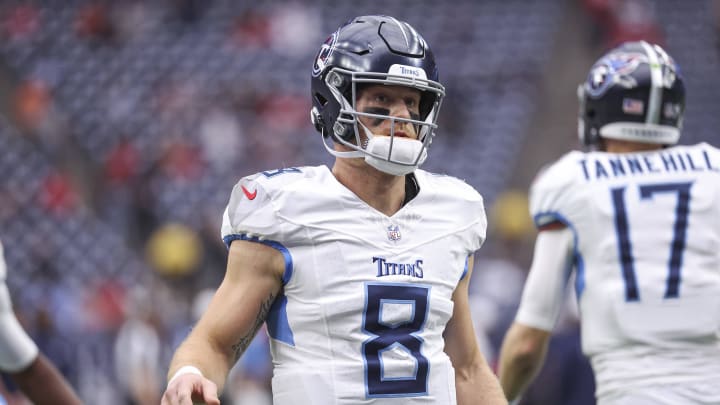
400,110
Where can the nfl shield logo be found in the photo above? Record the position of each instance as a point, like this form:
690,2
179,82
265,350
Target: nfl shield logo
393,232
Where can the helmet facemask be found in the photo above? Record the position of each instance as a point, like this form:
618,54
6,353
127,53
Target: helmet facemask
390,154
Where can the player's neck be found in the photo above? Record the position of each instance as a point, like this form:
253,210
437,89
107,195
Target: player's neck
619,146
379,190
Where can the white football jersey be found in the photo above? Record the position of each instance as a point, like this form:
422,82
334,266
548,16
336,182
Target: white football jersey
366,296
647,262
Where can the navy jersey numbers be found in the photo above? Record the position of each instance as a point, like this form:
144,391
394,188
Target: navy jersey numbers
394,315
273,173
677,245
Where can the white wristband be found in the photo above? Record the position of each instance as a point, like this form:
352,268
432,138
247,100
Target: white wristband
186,370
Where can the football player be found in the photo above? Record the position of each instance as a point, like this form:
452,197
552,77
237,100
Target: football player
35,375
637,219
360,271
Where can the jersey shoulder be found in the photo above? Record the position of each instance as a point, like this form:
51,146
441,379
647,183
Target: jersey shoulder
455,203
553,188
712,151
448,185
275,181
256,199
559,173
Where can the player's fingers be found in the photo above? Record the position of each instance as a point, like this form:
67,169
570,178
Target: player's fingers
184,398
170,398
178,394
210,395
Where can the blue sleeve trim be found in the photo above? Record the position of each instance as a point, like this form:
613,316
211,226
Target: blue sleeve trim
465,270
544,218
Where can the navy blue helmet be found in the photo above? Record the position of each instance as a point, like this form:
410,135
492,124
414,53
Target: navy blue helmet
635,93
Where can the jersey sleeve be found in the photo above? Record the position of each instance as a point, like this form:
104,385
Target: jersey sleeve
470,214
250,213
462,209
551,197
476,234
478,231
544,290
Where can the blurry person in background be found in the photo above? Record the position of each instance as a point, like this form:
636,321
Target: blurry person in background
636,218
137,349
20,358
360,272
495,289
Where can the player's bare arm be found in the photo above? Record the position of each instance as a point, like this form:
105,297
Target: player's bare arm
475,383
522,355
526,342
233,317
243,343
43,384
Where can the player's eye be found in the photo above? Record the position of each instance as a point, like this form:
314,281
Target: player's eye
411,103
381,98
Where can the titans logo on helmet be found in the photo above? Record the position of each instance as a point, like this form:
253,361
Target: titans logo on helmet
615,69
326,50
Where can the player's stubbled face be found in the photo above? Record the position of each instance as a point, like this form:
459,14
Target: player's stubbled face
395,101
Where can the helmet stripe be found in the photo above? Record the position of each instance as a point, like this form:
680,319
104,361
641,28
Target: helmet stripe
402,29
416,37
653,111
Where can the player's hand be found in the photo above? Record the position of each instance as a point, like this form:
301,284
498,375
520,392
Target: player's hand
189,389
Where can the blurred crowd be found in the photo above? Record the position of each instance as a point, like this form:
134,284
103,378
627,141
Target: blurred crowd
131,157
124,126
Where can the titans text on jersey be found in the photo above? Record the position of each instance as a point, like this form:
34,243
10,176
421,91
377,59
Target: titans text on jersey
386,268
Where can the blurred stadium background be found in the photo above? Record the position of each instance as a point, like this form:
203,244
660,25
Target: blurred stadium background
124,125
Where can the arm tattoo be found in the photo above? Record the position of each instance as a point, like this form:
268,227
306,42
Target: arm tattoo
242,344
